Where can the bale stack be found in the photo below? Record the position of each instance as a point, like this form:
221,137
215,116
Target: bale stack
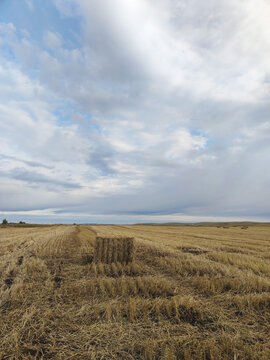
112,250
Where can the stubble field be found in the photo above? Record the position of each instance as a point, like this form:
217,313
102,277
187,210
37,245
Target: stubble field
190,292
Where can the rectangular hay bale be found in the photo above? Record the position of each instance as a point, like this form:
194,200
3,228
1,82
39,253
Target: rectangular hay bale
112,250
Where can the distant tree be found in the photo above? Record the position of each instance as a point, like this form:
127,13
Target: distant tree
22,222
4,222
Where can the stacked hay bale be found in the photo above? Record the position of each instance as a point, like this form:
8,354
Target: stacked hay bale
112,250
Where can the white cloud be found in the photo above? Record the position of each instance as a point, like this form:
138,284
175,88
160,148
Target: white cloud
52,40
172,102
30,4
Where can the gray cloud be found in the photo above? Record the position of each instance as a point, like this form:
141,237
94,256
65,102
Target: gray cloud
33,178
27,162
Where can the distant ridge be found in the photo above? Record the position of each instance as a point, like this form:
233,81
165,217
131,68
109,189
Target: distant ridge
225,223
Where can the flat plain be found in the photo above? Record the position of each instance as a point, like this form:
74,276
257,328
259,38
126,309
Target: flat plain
191,292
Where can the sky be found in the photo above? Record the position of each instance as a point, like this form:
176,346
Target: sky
115,111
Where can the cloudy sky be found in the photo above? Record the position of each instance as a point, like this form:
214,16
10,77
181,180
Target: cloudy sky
128,111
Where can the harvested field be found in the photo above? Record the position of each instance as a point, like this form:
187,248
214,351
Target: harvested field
187,293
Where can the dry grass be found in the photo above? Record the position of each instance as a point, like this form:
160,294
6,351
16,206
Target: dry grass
190,293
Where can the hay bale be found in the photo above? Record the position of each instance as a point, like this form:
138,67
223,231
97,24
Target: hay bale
112,250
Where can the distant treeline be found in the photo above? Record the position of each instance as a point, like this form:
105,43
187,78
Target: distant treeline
20,224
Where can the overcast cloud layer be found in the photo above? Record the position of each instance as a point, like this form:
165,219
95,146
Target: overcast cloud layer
126,111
